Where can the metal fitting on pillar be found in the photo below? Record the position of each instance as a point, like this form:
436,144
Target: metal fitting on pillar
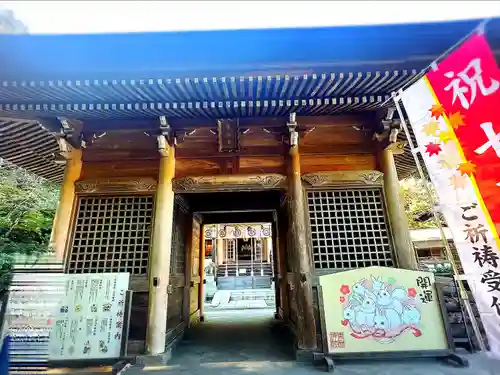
292,129
166,137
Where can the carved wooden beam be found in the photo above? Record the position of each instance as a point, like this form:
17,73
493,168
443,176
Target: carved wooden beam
230,183
336,178
116,185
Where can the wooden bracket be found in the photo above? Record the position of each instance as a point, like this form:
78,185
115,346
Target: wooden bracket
228,135
397,148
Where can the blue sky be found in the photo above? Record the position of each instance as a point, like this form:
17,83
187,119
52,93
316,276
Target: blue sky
128,16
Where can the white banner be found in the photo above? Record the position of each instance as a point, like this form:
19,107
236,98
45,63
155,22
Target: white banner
460,205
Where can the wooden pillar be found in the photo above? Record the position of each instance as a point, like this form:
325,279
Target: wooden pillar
64,213
404,250
301,262
202,276
269,247
159,258
220,251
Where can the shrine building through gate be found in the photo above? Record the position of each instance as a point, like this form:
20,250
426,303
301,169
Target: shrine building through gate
154,135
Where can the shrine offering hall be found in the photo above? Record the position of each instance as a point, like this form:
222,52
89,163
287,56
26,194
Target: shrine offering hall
168,135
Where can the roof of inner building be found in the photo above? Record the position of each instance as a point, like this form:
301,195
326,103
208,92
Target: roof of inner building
212,74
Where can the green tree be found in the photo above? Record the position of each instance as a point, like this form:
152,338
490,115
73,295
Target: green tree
418,204
27,208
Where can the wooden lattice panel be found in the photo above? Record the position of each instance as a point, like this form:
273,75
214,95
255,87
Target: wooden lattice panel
349,229
112,234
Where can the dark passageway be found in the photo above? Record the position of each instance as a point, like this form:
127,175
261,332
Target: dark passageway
235,336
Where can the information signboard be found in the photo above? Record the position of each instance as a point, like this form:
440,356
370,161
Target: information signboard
32,302
90,321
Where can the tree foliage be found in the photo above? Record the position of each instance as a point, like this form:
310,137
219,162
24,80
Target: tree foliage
418,204
27,208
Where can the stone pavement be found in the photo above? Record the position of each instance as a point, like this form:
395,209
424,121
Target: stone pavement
248,342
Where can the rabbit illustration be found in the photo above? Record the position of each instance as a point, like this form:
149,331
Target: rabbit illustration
359,288
391,300
393,318
366,314
350,313
380,321
411,315
377,284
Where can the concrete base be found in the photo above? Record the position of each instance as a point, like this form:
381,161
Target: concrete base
304,356
154,360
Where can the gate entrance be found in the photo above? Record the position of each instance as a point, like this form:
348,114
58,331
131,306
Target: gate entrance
234,301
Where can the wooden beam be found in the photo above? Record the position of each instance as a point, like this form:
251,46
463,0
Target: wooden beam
262,151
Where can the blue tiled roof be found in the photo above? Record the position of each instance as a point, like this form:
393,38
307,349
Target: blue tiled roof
219,73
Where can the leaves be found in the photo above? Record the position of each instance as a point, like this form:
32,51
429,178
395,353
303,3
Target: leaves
417,202
456,120
437,110
431,128
445,136
27,208
467,168
433,148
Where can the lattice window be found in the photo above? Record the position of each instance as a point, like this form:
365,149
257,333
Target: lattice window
112,234
349,229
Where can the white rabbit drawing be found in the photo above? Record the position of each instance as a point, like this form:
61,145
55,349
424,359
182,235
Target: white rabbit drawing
377,284
350,315
380,320
411,315
366,314
378,307
393,299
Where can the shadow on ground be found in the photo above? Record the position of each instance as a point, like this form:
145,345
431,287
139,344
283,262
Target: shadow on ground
235,336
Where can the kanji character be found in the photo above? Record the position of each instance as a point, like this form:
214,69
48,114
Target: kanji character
472,216
492,279
426,296
493,139
495,304
473,233
423,282
472,82
485,255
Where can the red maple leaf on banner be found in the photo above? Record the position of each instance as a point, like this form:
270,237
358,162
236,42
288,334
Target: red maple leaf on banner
467,168
437,111
456,120
433,148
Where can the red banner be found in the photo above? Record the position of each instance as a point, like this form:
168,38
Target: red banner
467,85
